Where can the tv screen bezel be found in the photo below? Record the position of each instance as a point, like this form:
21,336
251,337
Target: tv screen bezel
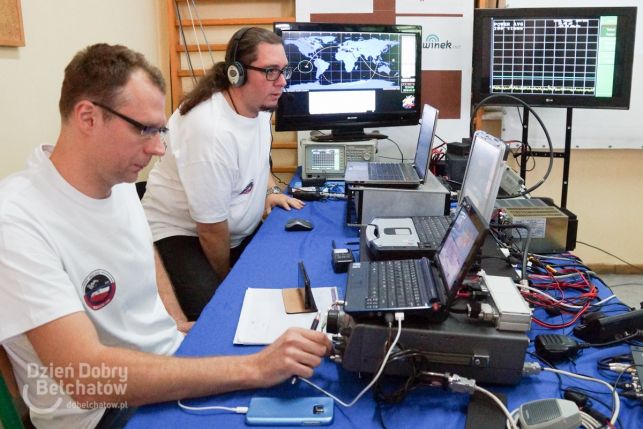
351,123
620,98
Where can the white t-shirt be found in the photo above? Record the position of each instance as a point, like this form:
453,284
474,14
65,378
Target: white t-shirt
215,168
63,252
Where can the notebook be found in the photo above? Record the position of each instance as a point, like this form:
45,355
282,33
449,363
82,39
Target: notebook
418,287
418,236
268,313
398,174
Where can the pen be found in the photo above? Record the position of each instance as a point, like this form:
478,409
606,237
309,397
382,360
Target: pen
313,327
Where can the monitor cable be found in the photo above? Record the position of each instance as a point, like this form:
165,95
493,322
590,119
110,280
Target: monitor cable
398,148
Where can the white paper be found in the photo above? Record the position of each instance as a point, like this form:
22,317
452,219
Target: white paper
263,317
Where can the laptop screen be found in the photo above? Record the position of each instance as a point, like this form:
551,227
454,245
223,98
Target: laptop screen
460,245
425,140
484,171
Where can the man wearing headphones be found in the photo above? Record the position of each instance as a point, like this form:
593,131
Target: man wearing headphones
206,197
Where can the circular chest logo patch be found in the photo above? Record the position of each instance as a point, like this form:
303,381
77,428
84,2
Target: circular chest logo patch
99,287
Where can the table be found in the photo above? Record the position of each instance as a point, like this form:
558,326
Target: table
270,261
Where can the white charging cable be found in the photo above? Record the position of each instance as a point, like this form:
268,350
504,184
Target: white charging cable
237,410
399,317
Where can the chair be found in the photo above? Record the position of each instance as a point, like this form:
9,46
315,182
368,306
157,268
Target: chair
9,415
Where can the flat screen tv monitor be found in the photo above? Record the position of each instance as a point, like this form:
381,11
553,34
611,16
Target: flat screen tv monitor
561,57
347,77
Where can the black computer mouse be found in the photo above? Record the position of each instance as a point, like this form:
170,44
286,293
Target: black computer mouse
297,224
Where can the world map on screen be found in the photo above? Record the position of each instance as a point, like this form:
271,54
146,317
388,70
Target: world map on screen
364,60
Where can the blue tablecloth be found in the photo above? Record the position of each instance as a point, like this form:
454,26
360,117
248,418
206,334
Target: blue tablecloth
270,261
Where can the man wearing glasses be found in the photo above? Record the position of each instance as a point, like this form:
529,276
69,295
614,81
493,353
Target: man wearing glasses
206,197
81,319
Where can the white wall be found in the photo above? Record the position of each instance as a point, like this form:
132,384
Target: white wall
30,76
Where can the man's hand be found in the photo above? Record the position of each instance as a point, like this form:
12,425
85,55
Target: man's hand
296,352
184,326
283,201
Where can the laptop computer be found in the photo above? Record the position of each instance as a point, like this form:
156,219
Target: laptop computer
398,174
418,287
418,236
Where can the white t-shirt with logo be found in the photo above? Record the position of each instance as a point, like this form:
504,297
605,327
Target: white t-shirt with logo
63,252
215,168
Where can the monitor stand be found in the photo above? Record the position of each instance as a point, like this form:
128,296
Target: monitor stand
345,135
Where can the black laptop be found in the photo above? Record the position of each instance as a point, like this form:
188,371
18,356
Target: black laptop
398,174
418,236
418,287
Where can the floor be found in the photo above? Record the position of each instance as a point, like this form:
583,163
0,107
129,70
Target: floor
627,287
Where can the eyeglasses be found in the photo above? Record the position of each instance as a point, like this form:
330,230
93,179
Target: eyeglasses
272,73
147,131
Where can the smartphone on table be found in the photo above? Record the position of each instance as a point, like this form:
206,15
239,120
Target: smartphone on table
306,411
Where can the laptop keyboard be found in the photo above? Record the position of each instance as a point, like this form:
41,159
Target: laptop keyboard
431,229
397,285
385,171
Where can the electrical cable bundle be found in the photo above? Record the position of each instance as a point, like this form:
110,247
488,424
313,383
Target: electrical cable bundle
560,287
317,193
438,154
418,363
627,378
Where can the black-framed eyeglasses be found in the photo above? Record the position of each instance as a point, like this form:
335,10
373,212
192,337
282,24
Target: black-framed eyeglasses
272,73
146,131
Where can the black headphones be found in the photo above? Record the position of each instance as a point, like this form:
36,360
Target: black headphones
234,69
